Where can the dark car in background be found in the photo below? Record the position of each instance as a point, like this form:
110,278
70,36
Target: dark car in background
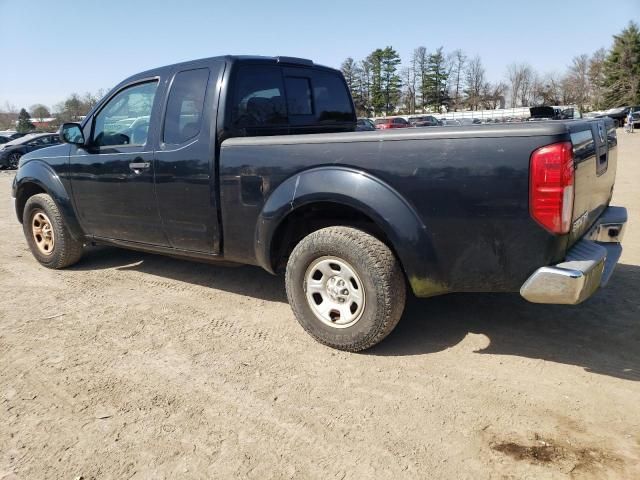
365,125
18,135
424,121
618,114
11,151
469,121
392,122
547,112
4,139
12,134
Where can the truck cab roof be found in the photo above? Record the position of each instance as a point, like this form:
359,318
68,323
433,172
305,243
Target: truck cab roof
233,60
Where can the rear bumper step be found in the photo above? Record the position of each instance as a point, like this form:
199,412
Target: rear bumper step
588,265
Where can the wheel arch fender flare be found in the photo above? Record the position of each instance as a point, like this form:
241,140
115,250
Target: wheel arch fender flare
40,174
390,211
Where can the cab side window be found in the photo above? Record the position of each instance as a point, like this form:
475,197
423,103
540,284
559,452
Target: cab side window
124,120
183,118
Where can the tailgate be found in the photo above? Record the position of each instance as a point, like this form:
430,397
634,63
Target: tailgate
594,150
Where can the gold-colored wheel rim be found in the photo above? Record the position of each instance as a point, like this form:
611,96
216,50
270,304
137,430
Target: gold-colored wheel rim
42,232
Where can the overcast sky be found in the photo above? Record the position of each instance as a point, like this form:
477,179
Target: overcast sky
51,49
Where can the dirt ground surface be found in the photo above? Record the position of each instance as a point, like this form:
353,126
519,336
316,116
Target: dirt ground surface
139,366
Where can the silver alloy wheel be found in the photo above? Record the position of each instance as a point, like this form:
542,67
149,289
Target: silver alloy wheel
334,292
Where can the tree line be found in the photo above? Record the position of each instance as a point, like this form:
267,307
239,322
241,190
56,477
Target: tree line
71,109
439,81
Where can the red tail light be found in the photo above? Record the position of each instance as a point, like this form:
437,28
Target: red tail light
551,186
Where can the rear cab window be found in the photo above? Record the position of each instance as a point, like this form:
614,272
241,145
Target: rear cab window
258,99
299,99
277,100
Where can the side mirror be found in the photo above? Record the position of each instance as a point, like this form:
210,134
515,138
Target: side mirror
71,133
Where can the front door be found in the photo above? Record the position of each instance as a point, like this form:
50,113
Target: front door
112,177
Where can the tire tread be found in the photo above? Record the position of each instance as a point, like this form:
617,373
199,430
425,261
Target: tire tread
67,250
386,269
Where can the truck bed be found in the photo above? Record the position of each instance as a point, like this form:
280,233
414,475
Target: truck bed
468,185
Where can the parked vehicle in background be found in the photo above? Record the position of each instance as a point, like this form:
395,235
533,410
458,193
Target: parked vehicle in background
449,122
365,125
636,119
12,151
424,121
4,139
549,112
391,122
619,115
255,161
15,135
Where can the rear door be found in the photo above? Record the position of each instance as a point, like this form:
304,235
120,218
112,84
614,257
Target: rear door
595,157
185,170
112,177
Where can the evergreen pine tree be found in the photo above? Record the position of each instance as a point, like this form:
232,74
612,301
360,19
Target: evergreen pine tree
622,69
24,122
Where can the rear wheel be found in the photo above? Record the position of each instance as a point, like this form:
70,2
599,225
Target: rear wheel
345,287
49,239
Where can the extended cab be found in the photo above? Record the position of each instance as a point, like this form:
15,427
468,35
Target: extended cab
256,160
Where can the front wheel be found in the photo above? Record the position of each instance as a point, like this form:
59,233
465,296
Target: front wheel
346,288
49,239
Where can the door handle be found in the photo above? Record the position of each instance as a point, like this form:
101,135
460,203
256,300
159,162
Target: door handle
138,167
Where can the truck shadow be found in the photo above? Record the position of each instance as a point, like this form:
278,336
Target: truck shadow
239,279
601,335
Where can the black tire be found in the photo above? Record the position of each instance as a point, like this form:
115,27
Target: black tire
376,267
66,250
14,160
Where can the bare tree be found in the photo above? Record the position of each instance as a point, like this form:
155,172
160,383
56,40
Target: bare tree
597,78
493,95
39,112
8,116
474,81
521,78
9,108
409,94
526,86
457,61
549,89
420,60
366,79
578,80
513,75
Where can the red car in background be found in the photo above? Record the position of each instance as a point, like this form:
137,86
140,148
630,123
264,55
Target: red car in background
397,122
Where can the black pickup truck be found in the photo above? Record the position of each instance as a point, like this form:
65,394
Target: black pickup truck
256,160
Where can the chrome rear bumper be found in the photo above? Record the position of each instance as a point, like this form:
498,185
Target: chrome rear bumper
588,265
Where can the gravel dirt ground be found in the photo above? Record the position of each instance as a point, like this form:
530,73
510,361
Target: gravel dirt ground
138,366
